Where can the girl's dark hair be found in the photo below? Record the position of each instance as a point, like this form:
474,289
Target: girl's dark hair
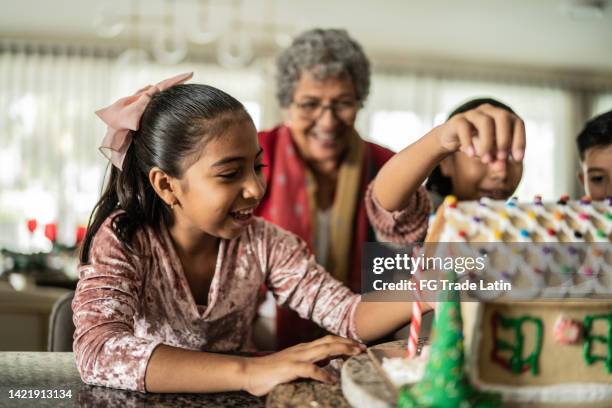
439,183
174,127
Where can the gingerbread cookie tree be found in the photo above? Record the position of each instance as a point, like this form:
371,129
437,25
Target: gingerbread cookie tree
445,383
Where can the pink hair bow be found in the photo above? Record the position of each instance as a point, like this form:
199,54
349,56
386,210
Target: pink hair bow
124,116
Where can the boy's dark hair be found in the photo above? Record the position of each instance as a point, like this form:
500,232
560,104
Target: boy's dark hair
176,124
439,183
596,133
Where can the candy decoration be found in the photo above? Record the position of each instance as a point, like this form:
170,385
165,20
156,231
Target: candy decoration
566,270
415,328
524,233
585,200
537,200
451,201
498,235
462,234
551,232
516,363
578,234
590,338
557,216
567,331
601,234
583,216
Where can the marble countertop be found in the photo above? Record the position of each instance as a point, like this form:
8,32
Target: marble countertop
57,371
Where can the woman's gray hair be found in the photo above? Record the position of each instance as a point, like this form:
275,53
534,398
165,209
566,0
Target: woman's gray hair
323,53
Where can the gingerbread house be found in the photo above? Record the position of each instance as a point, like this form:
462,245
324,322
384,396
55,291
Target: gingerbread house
549,338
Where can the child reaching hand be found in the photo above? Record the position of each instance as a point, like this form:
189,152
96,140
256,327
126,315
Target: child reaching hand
468,177
488,133
173,258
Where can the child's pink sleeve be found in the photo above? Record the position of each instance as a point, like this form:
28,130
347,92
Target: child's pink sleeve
401,227
297,281
106,300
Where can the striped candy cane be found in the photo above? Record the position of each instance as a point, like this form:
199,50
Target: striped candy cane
415,328
415,321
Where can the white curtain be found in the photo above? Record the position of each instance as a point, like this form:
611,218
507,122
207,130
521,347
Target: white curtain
602,103
52,170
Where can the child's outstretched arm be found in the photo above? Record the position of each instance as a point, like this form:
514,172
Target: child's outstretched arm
299,282
487,132
374,320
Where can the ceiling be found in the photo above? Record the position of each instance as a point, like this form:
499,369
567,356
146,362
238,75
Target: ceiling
524,33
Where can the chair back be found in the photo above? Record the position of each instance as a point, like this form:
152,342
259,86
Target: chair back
61,327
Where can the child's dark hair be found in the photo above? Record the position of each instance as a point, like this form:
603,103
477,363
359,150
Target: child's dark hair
176,124
439,183
596,133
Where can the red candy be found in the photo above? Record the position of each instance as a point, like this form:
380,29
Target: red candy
567,330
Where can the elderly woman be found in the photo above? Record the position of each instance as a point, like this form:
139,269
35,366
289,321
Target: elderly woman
320,171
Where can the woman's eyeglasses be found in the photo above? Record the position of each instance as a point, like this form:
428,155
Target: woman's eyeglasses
342,109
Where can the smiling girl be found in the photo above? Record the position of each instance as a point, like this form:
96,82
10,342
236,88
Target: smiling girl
173,258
